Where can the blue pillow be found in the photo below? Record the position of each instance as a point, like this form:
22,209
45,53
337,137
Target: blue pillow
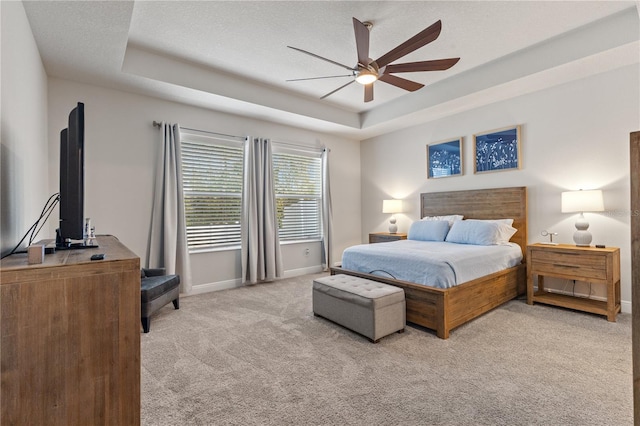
428,230
480,232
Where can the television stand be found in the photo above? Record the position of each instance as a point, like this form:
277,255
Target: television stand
50,246
69,244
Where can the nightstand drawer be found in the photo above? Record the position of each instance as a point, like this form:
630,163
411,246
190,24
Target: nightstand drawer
579,265
385,237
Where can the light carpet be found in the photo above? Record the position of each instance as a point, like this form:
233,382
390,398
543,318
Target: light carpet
258,356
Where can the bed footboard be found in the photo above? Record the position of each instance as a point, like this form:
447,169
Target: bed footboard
443,310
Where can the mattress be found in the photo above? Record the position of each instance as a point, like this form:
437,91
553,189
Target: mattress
434,264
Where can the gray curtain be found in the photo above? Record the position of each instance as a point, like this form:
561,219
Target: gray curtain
168,240
327,218
260,248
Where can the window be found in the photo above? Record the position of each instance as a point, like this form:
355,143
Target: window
298,187
212,183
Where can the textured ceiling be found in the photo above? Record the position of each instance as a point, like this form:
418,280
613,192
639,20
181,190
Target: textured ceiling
233,55
250,38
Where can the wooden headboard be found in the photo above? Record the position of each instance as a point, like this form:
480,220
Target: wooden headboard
495,203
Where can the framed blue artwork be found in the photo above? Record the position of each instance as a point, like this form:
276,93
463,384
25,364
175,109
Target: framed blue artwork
444,158
497,150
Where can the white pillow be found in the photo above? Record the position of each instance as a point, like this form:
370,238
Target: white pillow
449,218
507,221
428,230
480,232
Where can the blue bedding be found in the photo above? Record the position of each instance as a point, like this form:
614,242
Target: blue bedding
435,264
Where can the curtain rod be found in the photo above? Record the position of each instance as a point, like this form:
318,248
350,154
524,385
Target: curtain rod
158,124
299,146
295,145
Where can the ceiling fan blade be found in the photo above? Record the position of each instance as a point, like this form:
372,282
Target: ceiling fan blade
318,78
362,41
341,87
424,37
434,65
320,57
368,92
402,83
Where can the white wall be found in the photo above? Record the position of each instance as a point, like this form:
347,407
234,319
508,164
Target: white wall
573,136
121,146
23,147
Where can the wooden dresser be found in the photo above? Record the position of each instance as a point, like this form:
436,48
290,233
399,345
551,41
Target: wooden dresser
70,349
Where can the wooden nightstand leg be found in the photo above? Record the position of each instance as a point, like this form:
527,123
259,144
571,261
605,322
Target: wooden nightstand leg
540,283
611,302
529,288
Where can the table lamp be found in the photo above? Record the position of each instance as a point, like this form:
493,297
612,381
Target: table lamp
582,201
392,206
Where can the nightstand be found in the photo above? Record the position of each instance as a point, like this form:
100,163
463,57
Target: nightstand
590,264
385,237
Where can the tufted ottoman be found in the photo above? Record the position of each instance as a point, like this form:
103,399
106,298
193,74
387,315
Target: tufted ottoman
367,307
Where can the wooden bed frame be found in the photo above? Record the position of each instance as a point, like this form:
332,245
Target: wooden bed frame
443,310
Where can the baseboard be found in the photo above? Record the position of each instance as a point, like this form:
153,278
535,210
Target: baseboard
235,283
302,271
217,286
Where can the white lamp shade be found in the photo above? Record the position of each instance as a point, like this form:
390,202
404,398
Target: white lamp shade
391,206
582,201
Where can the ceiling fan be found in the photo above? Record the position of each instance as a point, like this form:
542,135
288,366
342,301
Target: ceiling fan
367,71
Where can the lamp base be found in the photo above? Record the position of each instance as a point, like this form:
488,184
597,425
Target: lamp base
582,237
393,228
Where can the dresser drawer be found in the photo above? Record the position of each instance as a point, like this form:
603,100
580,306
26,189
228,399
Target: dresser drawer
578,265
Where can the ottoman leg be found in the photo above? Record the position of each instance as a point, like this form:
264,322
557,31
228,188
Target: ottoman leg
176,303
146,323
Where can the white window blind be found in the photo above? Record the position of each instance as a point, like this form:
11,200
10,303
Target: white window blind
212,183
298,187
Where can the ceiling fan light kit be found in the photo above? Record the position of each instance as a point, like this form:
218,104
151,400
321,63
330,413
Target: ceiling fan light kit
365,76
368,71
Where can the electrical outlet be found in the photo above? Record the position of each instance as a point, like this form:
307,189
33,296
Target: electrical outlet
306,252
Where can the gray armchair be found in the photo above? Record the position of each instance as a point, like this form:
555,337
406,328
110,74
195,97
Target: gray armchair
156,290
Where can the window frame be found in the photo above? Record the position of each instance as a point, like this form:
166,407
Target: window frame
287,149
213,140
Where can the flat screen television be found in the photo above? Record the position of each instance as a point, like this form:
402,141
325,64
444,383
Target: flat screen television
70,233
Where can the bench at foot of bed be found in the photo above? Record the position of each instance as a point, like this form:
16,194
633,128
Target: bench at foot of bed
367,307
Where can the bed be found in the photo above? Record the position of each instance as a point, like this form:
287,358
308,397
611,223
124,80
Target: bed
441,309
